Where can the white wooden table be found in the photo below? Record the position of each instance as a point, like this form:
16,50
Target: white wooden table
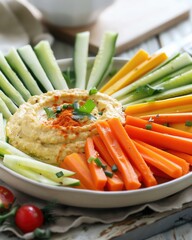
99,231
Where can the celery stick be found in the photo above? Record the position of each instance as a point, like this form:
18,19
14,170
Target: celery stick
4,110
48,62
10,91
30,59
12,107
19,67
180,91
13,78
6,148
2,128
80,59
183,60
103,59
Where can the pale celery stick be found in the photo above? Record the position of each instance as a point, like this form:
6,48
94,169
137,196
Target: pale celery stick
10,91
13,78
30,59
19,67
12,107
48,62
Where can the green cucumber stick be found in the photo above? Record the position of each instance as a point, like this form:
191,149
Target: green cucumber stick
13,78
19,67
2,128
48,62
30,59
12,107
4,110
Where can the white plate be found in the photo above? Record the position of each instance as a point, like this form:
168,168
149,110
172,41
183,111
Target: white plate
88,198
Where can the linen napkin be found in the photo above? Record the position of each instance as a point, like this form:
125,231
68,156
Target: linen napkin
68,218
20,25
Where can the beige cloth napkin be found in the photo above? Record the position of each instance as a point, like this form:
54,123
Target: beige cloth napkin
68,217
19,25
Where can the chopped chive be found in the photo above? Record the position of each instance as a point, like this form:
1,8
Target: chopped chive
87,107
188,123
93,91
59,174
50,113
109,174
114,168
98,162
58,109
100,113
148,126
91,159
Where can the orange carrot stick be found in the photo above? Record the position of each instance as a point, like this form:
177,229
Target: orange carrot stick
77,163
169,117
185,156
160,140
160,162
141,123
159,173
102,150
97,173
132,152
177,160
129,176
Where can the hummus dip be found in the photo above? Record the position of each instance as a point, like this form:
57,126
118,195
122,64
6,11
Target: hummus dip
47,127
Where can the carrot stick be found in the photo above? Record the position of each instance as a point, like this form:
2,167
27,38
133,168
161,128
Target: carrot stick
77,163
186,127
97,173
129,176
169,117
131,151
159,173
160,140
160,162
137,59
171,105
102,150
114,183
185,156
177,160
141,123
137,72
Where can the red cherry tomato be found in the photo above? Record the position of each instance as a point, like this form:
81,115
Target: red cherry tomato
6,198
28,218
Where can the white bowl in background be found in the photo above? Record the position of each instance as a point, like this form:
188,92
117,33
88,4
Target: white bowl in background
71,13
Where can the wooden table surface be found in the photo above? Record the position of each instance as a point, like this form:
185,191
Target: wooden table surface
99,231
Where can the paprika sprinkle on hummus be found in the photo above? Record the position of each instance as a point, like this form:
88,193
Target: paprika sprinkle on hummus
57,123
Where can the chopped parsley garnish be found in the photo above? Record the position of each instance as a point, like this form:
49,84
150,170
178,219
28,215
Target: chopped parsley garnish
93,91
148,126
59,174
108,174
83,111
114,168
50,113
188,123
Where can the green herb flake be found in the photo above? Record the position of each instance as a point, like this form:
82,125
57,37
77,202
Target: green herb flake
58,109
148,126
91,159
50,113
100,113
93,91
188,123
98,162
59,174
114,168
108,174
87,107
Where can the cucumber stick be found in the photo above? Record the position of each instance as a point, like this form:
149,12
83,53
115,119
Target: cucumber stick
6,148
10,91
55,174
181,61
103,59
4,110
80,59
48,62
13,78
31,61
19,67
11,106
2,129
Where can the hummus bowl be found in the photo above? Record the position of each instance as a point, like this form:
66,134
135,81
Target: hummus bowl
89,198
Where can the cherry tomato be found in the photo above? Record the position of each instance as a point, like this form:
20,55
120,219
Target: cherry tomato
6,198
28,218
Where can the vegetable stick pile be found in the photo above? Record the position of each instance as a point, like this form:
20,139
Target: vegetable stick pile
131,155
